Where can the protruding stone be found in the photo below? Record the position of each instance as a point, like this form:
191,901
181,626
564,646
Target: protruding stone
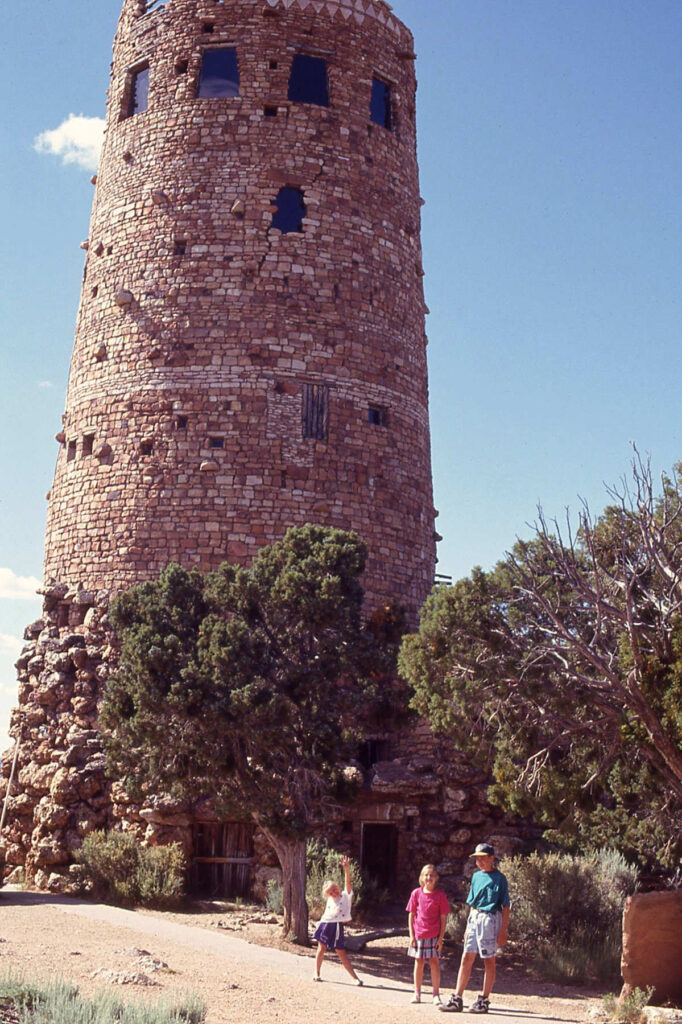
123,297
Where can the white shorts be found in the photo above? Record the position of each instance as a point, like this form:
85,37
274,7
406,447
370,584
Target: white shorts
481,933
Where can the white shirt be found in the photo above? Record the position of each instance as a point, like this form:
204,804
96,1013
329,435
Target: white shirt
337,909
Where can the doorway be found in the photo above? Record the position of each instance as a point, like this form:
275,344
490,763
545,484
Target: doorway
222,859
379,844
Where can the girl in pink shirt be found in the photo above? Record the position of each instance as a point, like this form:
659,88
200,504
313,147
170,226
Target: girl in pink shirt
427,911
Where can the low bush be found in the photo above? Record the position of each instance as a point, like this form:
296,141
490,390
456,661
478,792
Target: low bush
274,896
121,870
58,1002
567,911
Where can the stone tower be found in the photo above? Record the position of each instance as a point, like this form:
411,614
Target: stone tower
250,349
249,355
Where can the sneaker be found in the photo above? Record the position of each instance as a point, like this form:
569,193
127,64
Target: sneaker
437,1001
482,1005
416,998
316,977
455,1004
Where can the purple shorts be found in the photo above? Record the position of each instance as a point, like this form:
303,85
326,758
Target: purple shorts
330,934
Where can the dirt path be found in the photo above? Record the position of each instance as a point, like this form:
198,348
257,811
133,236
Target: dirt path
242,982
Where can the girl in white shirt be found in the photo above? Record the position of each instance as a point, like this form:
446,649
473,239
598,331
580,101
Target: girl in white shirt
329,932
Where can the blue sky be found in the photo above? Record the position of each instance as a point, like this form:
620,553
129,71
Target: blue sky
550,144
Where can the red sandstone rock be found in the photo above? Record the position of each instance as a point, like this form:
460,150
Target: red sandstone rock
652,944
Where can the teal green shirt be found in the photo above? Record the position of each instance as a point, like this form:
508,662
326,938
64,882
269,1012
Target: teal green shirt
489,891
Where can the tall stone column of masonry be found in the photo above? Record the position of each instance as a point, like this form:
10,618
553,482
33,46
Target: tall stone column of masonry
232,377
249,352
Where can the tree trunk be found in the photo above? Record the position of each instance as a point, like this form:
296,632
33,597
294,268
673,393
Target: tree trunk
291,856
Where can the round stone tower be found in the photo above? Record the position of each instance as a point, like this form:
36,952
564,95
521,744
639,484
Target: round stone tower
249,355
250,348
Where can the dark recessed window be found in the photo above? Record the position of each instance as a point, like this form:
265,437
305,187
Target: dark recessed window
138,92
216,442
308,81
180,248
219,73
71,451
269,110
181,423
380,104
208,27
316,411
273,65
146,447
181,67
376,416
290,210
88,442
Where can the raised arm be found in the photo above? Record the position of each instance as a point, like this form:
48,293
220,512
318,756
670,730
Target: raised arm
345,864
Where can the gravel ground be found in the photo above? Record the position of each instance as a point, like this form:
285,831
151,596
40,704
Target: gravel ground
238,963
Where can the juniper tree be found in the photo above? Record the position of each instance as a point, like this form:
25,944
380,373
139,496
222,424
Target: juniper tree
255,686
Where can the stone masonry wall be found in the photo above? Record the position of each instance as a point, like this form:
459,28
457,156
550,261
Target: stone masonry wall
201,326
423,787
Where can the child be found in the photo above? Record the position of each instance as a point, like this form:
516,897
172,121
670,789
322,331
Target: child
486,928
329,932
428,911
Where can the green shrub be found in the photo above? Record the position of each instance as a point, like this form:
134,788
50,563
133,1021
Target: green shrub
274,896
629,1008
58,1002
323,863
457,922
121,870
567,910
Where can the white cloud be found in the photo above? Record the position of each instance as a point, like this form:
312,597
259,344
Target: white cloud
77,140
18,588
45,384
10,645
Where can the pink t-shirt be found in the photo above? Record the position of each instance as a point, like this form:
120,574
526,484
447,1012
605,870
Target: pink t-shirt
427,908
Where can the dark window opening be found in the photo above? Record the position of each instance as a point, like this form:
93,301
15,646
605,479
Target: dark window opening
308,81
283,478
181,423
216,442
208,27
93,292
180,248
88,443
269,110
316,411
110,249
380,103
273,65
146,447
71,451
372,751
219,73
290,210
347,827
377,417
181,67
138,92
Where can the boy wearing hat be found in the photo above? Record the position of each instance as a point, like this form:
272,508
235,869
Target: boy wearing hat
486,929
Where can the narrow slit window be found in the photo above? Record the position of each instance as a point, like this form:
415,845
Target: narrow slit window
380,104
219,73
316,411
376,416
71,451
308,82
88,443
138,91
290,210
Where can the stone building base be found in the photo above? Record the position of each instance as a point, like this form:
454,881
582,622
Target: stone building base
419,801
